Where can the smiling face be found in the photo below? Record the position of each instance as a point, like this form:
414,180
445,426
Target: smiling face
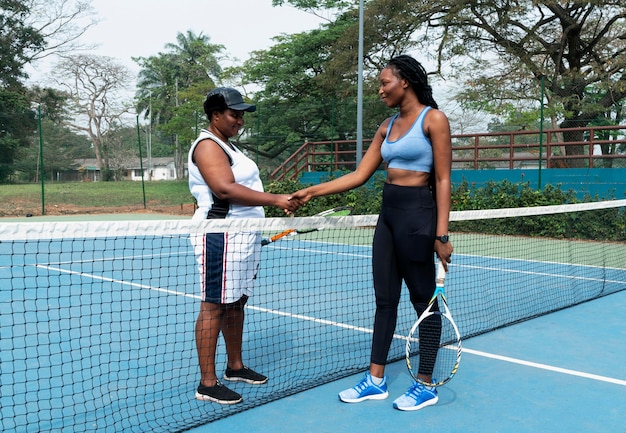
227,123
392,88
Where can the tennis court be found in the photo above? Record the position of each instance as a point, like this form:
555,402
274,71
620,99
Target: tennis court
98,319
563,372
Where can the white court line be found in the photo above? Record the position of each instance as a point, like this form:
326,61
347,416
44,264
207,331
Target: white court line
121,282
546,367
464,350
357,328
539,274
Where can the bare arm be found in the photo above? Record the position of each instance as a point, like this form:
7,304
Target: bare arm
438,129
215,168
370,162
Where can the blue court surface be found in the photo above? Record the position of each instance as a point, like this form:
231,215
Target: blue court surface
106,329
563,372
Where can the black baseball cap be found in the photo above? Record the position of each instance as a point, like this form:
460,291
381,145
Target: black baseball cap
231,99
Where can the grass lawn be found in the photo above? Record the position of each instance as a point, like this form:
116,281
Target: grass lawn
93,197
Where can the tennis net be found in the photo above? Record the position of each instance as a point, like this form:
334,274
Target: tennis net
97,318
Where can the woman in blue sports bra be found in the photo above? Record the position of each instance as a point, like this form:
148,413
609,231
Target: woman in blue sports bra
416,147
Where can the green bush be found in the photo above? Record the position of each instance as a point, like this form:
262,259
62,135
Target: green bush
606,224
364,200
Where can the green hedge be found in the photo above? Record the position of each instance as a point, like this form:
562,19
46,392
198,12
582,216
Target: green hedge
606,224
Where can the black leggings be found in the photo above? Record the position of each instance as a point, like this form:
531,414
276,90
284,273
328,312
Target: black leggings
403,250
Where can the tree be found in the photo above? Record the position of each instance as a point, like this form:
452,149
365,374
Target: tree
33,29
17,123
17,40
29,30
576,48
191,64
17,120
121,151
93,84
503,50
61,148
308,90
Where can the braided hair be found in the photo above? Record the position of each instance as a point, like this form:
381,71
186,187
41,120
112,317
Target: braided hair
407,68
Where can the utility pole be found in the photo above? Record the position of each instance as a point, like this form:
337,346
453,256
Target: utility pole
149,140
359,108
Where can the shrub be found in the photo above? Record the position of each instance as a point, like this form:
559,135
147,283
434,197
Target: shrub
493,195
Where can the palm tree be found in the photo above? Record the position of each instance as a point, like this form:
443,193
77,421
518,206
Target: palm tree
191,63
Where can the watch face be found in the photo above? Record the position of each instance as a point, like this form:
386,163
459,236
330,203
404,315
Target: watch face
443,238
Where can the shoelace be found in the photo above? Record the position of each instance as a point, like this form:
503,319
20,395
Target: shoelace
418,388
361,385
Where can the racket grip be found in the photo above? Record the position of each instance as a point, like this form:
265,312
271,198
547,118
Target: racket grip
441,273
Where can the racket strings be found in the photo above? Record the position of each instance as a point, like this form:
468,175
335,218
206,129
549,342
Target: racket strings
429,337
434,352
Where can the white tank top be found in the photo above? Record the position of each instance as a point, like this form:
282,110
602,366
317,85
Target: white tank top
246,173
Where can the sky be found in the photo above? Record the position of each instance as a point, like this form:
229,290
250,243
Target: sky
142,28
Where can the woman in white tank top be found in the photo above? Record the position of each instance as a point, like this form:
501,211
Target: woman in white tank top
226,184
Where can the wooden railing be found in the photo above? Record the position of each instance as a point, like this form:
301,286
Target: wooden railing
588,147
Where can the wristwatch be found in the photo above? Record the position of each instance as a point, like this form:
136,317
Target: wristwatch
443,239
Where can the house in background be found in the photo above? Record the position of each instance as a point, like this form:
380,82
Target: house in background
158,169
87,170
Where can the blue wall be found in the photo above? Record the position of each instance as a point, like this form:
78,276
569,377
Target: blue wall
604,182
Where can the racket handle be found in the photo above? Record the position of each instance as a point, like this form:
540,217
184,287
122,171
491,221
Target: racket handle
441,274
281,235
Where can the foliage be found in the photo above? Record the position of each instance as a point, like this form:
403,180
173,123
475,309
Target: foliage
504,52
92,83
62,147
308,92
188,117
173,85
315,4
61,24
17,120
365,200
30,30
17,124
493,195
575,49
306,83
17,40
505,194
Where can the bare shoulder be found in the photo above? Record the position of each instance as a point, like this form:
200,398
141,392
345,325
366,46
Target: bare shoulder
209,150
436,115
436,122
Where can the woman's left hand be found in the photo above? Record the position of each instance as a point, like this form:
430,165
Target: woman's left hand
444,252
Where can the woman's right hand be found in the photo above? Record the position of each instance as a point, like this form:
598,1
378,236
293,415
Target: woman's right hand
303,196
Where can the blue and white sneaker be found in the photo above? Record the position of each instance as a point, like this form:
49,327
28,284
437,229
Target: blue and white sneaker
366,389
417,397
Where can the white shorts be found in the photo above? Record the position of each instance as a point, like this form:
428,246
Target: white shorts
228,265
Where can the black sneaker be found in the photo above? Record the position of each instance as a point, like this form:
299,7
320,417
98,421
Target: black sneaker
218,394
245,375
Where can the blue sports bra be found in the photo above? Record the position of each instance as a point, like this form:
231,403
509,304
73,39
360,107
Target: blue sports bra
413,151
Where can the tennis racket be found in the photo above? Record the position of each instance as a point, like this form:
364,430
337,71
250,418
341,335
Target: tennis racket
434,341
334,212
